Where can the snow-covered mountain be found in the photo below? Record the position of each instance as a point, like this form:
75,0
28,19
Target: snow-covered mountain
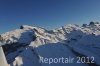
25,46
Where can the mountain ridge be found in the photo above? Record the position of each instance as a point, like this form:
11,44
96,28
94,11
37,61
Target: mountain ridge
18,42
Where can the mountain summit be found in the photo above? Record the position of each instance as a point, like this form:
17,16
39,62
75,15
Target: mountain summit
25,46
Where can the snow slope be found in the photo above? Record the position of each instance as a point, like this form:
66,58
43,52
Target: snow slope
24,36
25,46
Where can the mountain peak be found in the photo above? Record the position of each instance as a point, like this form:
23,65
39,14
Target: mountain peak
26,27
93,23
23,42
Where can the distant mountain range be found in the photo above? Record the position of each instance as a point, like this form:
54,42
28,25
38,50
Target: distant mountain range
25,46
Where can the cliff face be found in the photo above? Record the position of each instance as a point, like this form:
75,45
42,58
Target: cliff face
1,38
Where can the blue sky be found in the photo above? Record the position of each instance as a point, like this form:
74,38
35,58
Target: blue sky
47,13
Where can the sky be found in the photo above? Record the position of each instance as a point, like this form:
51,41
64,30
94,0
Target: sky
49,14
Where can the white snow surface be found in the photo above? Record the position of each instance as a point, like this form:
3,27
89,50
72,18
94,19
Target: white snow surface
61,42
19,35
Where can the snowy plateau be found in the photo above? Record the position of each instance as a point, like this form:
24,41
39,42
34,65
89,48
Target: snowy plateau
36,46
